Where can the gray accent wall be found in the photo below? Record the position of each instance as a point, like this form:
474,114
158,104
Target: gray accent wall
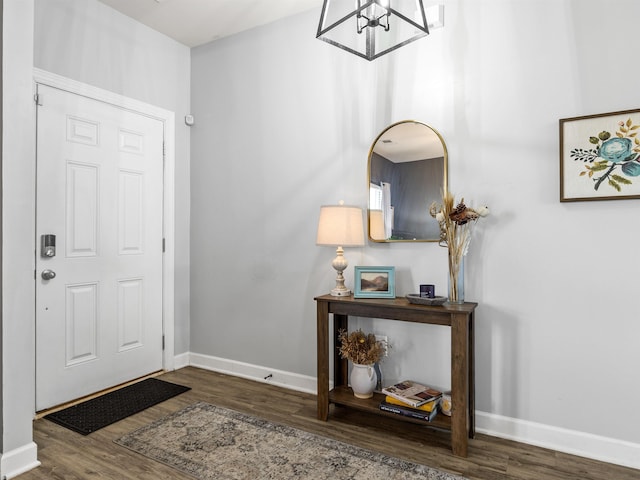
282,129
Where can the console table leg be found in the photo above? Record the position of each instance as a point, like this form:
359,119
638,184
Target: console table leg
340,365
459,385
323,360
472,378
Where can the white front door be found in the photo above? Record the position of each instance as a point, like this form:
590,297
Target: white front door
99,191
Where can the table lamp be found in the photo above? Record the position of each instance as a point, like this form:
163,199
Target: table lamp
340,226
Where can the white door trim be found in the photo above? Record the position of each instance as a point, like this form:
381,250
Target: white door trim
168,119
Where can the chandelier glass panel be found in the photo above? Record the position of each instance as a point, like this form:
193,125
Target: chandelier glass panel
372,28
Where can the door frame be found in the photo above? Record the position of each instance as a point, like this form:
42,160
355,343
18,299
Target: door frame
168,210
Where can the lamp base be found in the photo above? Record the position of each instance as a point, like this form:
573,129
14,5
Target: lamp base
340,263
340,292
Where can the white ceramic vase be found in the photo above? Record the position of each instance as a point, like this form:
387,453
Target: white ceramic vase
363,380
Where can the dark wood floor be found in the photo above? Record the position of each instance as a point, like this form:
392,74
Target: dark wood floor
70,456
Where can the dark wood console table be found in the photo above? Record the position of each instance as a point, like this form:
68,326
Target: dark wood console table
458,317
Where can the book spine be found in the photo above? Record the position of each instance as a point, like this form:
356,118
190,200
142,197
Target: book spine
427,407
408,413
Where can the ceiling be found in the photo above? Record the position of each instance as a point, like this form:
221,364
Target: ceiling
195,22
408,142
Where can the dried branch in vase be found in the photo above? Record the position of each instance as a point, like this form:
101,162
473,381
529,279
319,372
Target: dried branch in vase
360,348
456,226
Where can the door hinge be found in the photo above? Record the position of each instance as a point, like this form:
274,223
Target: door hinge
163,245
162,342
38,99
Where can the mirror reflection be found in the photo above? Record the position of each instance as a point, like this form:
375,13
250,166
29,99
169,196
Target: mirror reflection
407,173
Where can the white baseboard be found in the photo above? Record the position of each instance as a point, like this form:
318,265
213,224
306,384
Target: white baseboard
582,444
19,461
181,361
587,445
293,381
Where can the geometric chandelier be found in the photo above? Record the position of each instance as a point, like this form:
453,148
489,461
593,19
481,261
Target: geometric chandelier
371,28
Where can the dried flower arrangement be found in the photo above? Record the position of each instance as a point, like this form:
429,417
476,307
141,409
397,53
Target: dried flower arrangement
359,347
456,225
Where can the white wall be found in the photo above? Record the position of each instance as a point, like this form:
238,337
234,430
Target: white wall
18,150
90,42
284,123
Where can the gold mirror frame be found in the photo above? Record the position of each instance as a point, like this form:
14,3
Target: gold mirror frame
415,177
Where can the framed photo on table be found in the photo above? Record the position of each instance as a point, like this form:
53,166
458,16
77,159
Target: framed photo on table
600,157
374,282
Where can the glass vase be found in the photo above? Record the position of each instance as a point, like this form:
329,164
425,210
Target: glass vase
456,281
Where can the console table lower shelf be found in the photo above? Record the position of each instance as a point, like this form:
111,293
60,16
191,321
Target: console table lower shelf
344,396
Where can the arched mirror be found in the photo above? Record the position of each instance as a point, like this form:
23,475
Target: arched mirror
407,172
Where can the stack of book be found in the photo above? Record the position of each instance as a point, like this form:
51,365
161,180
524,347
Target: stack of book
411,399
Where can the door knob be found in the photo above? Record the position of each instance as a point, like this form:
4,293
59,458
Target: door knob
48,274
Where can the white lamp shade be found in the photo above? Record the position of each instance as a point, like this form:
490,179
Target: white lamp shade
340,226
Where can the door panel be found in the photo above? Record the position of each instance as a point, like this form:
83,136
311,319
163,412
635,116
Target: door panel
82,209
81,323
99,190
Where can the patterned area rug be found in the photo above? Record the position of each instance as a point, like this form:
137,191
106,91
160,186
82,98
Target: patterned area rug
210,442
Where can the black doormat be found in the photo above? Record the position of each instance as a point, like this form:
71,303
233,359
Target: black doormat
94,414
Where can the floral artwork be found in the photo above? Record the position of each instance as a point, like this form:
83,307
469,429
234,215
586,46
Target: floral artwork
600,157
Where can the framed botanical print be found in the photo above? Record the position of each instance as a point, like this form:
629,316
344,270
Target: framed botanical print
600,157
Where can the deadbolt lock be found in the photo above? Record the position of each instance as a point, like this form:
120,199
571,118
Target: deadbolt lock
48,245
